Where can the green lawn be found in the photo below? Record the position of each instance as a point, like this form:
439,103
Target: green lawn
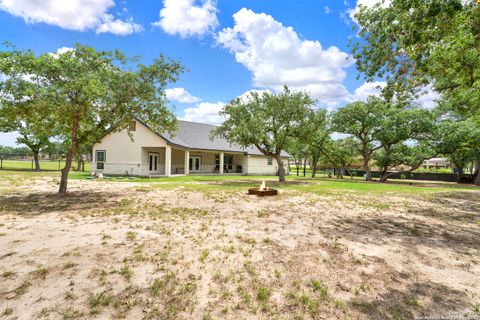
44,165
318,185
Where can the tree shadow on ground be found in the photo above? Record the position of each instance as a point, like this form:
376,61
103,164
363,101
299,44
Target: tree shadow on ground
42,203
414,301
420,226
408,232
466,205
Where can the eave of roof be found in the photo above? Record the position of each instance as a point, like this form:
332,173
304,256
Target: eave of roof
195,136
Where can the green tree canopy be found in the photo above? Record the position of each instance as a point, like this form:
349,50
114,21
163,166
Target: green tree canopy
340,154
416,43
23,106
364,121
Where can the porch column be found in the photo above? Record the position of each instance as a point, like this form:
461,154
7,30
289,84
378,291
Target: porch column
187,162
220,170
168,160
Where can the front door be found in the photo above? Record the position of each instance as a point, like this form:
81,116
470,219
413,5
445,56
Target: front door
194,164
153,162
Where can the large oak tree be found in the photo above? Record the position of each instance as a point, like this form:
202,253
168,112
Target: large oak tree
266,120
90,93
420,43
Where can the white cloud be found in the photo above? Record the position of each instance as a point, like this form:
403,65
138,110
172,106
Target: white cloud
277,56
9,139
246,97
205,112
368,4
64,50
368,89
118,27
180,95
208,112
326,9
427,96
80,15
187,17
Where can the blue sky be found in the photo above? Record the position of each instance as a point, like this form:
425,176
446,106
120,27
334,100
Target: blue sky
229,46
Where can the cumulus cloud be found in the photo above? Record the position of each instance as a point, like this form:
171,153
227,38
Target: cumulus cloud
326,9
188,17
180,95
208,112
118,27
205,112
368,4
368,89
427,96
80,15
9,139
277,56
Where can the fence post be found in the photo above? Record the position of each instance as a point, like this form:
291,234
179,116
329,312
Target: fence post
32,164
1,163
59,164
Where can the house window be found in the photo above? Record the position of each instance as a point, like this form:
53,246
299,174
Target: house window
100,156
270,161
228,160
132,126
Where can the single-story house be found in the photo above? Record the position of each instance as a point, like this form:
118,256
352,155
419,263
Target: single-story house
188,151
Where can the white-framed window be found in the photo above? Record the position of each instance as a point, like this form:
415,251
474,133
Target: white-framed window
270,161
100,158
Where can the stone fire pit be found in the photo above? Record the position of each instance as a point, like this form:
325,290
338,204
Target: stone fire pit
263,191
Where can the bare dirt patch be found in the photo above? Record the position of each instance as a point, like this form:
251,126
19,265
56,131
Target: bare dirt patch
123,250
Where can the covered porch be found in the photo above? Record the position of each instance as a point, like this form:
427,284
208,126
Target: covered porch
170,160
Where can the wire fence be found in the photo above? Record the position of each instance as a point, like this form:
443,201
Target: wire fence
45,165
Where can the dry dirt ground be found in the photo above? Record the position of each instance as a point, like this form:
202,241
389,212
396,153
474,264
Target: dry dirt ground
126,250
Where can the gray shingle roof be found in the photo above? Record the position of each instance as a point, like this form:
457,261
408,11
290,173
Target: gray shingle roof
197,136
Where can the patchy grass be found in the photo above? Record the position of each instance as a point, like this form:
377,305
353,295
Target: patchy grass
200,248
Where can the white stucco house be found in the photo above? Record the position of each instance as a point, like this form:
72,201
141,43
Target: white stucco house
187,151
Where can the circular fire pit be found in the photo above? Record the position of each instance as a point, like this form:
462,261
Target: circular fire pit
263,192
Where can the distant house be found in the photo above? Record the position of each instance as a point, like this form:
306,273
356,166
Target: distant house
436,163
188,151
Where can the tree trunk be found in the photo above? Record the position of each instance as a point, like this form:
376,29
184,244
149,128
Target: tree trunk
349,172
64,179
476,179
62,190
305,166
79,163
314,167
367,167
383,176
413,168
459,175
281,169
36,157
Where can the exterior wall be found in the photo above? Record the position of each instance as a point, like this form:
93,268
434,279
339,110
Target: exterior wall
207,164
178,161
145,164
258,165
124,155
